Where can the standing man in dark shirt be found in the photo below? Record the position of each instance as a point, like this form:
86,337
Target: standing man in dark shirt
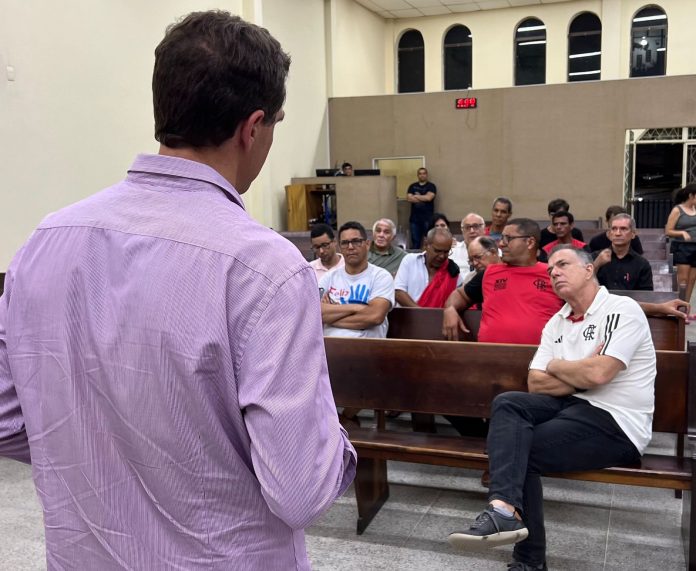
421,195
602,241
620,267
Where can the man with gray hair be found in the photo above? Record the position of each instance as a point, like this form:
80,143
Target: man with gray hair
621,267
428,278
473,226
589,406
383,253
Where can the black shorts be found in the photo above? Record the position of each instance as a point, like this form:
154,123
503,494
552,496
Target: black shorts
684,253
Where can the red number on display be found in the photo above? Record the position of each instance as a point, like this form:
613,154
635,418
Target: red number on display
465,103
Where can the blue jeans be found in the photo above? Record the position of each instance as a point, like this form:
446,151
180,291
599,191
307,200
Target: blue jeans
533,434
419,228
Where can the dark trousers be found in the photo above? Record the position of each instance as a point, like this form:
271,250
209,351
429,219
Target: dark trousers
533,434
419,229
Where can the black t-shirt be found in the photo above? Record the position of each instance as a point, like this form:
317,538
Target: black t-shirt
547,236
632,271
474,288
601,242
422,211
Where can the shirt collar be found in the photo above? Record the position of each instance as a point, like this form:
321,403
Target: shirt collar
600,298
390,250
176,167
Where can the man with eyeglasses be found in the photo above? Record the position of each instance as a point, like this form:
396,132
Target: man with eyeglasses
324,246
472,226
620,267
516,296
357,297
428,278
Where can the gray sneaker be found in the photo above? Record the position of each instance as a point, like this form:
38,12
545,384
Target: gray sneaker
519,566
490,529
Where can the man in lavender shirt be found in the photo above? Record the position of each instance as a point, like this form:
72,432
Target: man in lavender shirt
161,356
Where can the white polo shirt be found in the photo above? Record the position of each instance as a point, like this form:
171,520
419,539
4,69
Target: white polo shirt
620,325
412,276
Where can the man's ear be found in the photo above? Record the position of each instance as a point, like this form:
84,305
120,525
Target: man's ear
248,129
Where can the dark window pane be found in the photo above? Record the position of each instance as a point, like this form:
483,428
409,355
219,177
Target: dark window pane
411,63
649,43
530,52
584,48
411,39
457,58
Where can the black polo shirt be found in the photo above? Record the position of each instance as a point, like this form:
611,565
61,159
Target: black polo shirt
632,271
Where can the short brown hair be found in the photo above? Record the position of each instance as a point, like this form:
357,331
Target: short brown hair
213,70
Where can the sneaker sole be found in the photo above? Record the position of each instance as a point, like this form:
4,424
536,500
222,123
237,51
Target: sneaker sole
466,541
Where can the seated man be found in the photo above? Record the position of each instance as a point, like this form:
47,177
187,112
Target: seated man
472,226
548,234
601,241
563,225
383,253
324,246
357,297
428,278
516,296
483,251
500,214
589,406
619,267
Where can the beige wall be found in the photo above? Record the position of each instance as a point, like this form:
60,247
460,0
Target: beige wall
531,144
493,40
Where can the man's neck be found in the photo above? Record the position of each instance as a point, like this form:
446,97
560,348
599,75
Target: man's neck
355,270
218,158
620,251
379,250
582,302
336,258
497,229
567,239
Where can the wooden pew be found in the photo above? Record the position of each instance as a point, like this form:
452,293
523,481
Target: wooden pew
400,374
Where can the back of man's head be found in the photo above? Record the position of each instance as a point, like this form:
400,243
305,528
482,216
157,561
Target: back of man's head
558,204
613,211
321,229
486,243
212,71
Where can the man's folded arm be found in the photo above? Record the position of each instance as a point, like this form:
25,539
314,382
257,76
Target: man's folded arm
369,315
301,455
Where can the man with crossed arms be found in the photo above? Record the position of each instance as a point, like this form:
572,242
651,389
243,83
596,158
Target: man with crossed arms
589,406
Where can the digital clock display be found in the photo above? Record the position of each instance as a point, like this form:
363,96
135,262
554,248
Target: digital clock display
465,103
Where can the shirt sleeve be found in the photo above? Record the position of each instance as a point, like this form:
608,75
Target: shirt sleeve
645,277
401,278
474,288
545,351
623,331
383,287
636,245
13,436
432,189
301,455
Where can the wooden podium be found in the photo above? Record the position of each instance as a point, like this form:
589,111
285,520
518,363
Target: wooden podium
360,198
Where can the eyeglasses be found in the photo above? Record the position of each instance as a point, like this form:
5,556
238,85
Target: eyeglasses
505,239
323,246
355,242
467,227
479,257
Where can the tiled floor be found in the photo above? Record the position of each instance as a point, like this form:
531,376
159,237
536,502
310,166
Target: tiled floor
590,526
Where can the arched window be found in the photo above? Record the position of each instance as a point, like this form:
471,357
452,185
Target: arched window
530,52
649,42
457,58
585,48
411,62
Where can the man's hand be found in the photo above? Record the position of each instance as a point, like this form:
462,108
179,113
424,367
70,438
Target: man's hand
675,307
602,259
451,324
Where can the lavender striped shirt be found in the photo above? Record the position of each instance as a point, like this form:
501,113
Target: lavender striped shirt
162,355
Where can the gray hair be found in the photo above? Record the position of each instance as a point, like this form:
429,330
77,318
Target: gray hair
624,216
583,255
386,221
437,232
486,242
483,221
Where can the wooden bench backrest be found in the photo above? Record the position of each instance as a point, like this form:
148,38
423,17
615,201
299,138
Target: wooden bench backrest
461,378
668,333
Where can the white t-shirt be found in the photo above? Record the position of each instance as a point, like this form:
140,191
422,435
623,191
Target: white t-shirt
460,255
620,324
412,276
343,287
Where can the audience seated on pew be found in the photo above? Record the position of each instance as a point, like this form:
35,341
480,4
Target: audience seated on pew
383,253
472,226
324,246
428,278
548,234
601,241
563,223
516,296
500,214
619,267
589,406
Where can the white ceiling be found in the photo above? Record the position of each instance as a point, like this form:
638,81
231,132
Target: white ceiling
420,8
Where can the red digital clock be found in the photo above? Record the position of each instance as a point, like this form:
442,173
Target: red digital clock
465,103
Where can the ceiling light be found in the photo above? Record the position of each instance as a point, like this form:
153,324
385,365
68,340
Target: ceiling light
531,28
585,72
532,43
648,18
587,54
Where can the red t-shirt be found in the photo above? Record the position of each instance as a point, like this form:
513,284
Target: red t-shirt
575,243
517,303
